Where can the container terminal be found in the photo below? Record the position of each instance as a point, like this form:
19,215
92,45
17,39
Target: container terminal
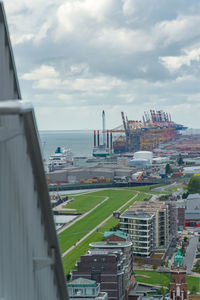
156,127
138,156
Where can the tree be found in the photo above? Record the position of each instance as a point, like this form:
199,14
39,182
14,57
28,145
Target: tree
194,185
180,160
185,194
168,169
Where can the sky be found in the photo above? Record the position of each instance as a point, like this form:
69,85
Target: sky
77,57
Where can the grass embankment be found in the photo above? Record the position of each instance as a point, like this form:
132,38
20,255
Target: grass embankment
70,259
162,279
148,189
74,233
84,203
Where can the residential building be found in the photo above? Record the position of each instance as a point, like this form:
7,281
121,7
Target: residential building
85,289
116,236
140,226
180,205
162,222
127,263
109,264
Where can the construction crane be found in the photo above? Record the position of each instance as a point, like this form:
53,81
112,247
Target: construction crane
127,131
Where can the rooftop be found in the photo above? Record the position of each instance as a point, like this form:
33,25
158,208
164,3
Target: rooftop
83,282
105,244
193,196
137,215
118,233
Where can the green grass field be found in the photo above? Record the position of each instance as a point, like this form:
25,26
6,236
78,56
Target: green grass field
84,203
74,233
147,189
70,259
163,279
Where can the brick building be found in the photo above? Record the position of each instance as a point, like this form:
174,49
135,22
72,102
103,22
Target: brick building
109,264
178,285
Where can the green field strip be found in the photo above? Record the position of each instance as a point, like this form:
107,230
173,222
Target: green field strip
162,279
84,203
71,258
78,230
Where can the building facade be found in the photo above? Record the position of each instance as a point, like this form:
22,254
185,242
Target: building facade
150,225
31,266
109,264
178,285
86,289
140,227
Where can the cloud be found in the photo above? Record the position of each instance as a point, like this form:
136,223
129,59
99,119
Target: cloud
173,63
120,54
41,73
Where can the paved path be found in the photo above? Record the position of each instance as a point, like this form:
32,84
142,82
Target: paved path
94,229
163,188
190,253
82,216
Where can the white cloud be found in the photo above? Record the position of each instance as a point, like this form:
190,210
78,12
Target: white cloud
128,7
77,14
181,28
43,72
173,63
99,83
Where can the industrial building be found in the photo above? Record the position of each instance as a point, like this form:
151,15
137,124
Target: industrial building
31,266
192,211
75,175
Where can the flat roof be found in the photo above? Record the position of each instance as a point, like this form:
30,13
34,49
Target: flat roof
137,215
110,244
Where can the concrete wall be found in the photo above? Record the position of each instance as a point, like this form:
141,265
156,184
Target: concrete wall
9,88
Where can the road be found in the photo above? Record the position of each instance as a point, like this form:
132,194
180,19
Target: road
95,228
190,253
163,188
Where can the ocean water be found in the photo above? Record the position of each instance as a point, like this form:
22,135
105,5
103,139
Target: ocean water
79,141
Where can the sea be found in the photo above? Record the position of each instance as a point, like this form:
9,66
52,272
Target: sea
80,142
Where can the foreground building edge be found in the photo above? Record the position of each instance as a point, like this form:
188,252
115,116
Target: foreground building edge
31,266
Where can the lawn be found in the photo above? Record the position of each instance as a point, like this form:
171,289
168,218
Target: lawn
140,197
148,189
74,233
162,279
71,258
84,203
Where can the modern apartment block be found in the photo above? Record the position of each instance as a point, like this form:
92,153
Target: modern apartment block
109,264
148,224
140,226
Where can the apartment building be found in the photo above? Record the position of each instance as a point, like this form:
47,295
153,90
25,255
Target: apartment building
140,226
148,224
109,264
